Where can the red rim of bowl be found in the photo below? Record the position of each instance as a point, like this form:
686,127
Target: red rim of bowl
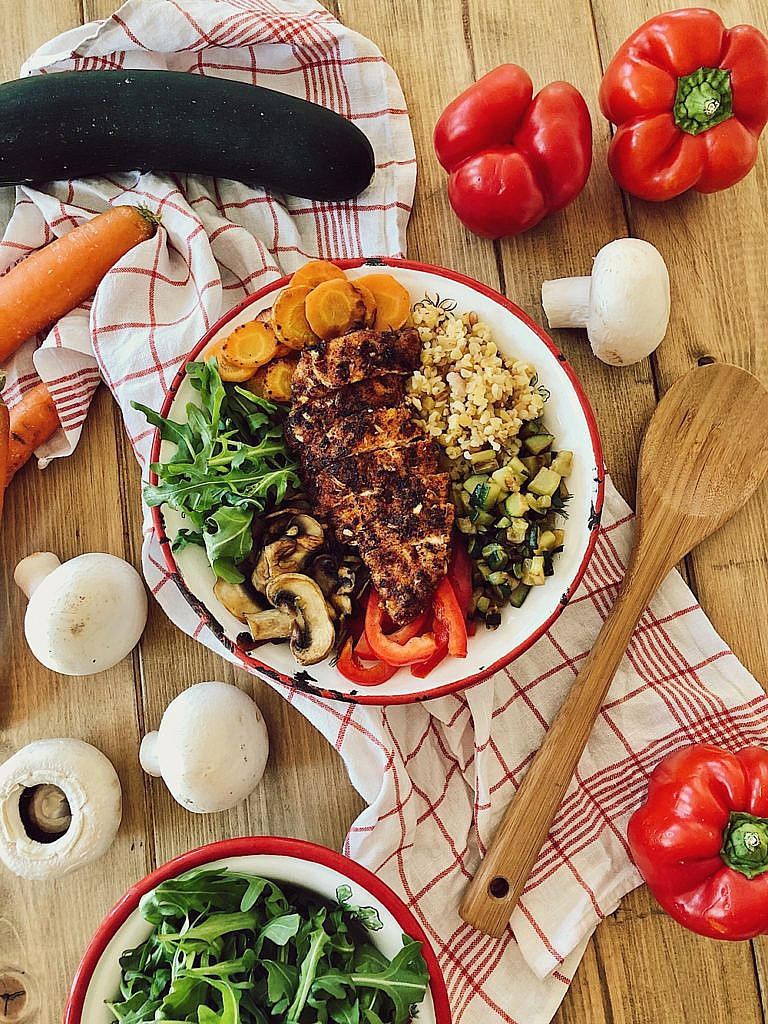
249,846
300,681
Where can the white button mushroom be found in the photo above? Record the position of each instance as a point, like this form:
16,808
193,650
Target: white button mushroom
83,616
60,807
211,748
624,305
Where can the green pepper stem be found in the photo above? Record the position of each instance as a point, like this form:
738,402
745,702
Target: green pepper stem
745,844
704,98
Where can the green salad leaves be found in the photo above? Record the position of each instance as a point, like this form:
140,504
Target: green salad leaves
230,462
231,948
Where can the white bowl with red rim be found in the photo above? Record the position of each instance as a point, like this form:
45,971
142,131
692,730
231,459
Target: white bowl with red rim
288,861
567,415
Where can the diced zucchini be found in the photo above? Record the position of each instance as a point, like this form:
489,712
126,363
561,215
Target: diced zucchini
543,502
519,469
506,478
549,568
466,525
532,537
483,570
485,495
531,464
538,443
495,555
480,518
474,481
531,427
503,523
517,530
516,506
493,617
562,463
484,461
547,541
533,503
483,604
518,595
517,570
533,571
559,537
498,577
545,482
474,546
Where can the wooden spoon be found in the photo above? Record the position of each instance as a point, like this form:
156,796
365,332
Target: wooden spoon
704,453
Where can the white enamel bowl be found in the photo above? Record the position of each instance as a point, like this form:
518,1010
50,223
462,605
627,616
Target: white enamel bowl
567,415
283,860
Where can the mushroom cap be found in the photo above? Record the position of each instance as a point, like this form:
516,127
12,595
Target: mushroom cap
629,301
87,615
211,748
92,788
313,633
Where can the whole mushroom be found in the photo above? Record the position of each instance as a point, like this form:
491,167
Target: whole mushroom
211,747
60,807
84,615
624,304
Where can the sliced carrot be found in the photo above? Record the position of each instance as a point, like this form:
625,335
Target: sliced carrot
265,316
250,346
5,440
284,350
370,303
335,308
289,319
393,303
227,371
33,421
256,382
315,272
54,280
277,379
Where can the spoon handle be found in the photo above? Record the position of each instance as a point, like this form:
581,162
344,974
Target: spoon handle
493,893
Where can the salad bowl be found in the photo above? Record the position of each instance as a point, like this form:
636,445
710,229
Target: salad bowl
313,868
567,415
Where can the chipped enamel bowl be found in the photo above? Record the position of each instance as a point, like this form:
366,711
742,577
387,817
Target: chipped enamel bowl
567,415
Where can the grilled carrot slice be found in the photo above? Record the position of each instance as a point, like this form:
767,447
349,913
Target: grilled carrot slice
315,272
33,421
54,280
5,438
289,319
277,379
334,308
370,303
250,346
227,371
393,303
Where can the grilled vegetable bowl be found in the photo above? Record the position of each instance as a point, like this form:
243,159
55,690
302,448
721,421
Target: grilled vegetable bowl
258,929
521,584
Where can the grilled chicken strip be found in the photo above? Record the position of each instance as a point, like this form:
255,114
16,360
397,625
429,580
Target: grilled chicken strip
365,459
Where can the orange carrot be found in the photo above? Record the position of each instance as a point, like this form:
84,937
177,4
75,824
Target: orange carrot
393,303
5,437
315,272
289,320
335,307
33,421
370,303
56,279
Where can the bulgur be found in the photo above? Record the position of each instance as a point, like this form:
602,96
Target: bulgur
467,396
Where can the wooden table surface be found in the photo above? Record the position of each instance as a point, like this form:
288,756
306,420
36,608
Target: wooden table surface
640,968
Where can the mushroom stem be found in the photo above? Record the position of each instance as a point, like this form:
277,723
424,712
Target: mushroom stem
566,301
47,811
149,756
32,570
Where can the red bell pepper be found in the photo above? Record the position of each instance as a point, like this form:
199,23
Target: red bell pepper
513,160
690,99
701,840
460,572
449,613
353,669
363,648
417,648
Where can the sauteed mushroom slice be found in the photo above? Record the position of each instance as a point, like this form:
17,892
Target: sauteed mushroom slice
270,624
236,599
301,537
312,634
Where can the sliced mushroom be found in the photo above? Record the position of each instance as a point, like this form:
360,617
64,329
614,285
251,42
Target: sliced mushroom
324,571
270,624
301,537
236,599
313,635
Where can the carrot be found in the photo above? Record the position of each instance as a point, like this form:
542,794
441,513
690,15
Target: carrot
334,307
393,303
315,272
5,437
277,379
227,370
250,346
56,279
370,303
33,421
289,319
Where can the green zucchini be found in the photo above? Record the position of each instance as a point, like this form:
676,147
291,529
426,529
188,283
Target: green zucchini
538,443
82,123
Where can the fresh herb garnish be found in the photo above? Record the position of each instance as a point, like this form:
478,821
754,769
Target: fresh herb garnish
230,463
231,948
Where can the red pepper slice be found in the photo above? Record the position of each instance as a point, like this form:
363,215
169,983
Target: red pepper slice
417,648
364,650
460,573
450,614
422,670
353,669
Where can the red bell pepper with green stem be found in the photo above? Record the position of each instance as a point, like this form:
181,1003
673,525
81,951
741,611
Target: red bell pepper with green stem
701,840
689,99
513,159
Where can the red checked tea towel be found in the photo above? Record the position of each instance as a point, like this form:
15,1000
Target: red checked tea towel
435,776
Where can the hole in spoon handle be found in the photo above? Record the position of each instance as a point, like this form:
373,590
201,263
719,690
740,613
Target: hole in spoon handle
498,887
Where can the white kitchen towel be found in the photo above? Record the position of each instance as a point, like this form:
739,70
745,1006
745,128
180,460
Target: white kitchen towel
435,776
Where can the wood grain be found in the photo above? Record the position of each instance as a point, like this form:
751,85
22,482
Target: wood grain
641,968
